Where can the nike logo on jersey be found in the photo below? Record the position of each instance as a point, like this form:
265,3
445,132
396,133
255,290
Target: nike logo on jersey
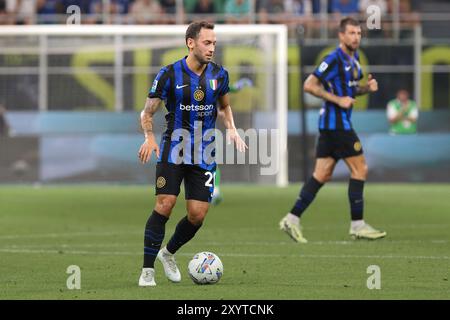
179,87
348,68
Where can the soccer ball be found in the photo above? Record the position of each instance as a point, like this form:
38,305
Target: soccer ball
205,268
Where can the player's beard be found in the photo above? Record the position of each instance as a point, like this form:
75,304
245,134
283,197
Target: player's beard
350,48
200,59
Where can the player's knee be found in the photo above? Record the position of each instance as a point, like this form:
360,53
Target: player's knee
165,205
365,171
196,217
322,176
360,172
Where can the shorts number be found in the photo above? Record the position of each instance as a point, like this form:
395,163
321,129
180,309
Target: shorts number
211,178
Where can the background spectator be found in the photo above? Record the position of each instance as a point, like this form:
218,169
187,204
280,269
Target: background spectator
402,114
273,11
204,8
344,7
145,12
116,11
24,10
4,18
4,127
408,18
170,10
299,14
237,11
47,11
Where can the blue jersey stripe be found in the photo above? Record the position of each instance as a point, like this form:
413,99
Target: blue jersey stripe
179,81
178,94
322,119
338,86
345,121
332,118
161,149
207,97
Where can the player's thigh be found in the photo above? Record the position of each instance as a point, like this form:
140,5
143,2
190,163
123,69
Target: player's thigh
357,166
323,169
198,183
168,178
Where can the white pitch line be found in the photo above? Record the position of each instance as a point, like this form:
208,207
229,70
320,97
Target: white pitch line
330,242
59,235
227,244
111,253
139,232
250,255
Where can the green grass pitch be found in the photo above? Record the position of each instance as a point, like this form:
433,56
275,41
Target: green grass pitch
100,229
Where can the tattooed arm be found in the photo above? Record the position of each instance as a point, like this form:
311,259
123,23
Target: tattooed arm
149,145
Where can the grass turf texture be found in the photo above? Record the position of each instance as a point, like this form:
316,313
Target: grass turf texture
44,230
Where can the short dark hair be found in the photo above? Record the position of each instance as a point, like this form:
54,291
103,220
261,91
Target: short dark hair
194,28
348,21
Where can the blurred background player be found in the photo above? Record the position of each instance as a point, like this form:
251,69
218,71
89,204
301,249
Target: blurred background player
4,126
402,114
235,87
193,79
336,81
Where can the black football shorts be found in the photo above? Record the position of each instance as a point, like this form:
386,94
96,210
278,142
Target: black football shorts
198,182
338,144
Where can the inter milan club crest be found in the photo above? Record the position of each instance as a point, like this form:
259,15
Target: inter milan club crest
160,182
213,84
198,95
357,146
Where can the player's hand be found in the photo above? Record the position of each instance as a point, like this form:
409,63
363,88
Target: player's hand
233,135
346,102
372,84
147,148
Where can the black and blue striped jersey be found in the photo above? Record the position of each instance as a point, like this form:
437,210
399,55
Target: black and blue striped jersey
191,102
339,74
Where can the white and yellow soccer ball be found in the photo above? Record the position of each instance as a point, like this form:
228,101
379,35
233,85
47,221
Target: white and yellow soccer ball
205,268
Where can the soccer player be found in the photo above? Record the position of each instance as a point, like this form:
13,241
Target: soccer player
191,88
336,81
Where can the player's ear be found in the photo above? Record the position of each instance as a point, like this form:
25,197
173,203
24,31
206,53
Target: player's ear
190,43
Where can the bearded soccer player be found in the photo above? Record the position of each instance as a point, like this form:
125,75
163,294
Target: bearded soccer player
194,89
336,81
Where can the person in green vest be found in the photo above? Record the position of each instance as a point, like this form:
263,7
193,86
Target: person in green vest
402,114
217,195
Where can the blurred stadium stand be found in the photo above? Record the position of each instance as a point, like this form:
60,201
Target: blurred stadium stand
46,146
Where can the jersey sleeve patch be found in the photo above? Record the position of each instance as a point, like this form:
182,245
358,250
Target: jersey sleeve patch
326,69
160,85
